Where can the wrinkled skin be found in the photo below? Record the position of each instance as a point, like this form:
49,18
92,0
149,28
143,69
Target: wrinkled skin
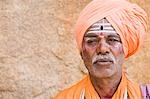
103,54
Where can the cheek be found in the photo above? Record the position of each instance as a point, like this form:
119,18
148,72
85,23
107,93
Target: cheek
118,49
118,54
87,55
90,50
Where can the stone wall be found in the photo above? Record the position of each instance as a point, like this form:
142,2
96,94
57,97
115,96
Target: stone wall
38,55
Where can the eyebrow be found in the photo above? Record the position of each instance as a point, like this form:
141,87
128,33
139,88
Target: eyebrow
114,35
91,35
96,35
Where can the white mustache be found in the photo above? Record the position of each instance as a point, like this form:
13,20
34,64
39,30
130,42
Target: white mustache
103,57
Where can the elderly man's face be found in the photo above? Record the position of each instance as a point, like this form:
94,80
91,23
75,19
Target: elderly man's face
102,51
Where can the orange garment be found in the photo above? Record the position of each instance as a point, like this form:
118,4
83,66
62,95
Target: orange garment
86,88
129,21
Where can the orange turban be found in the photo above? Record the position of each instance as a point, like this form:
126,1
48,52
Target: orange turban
129,21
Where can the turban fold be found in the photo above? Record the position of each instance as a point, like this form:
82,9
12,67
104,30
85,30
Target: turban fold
129,21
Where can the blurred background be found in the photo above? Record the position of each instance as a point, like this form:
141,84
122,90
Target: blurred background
38,54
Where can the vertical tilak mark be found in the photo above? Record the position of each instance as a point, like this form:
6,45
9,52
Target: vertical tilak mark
101,27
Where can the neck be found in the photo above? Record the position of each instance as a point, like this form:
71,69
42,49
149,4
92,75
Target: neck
106,87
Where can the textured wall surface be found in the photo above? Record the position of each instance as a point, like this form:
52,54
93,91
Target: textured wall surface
38,56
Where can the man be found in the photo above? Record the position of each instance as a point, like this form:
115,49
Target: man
107,32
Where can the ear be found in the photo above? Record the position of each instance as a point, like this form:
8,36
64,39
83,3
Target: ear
81,55
83,50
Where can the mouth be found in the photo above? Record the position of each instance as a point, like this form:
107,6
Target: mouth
103,62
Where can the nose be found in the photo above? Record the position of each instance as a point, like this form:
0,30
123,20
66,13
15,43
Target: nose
103,47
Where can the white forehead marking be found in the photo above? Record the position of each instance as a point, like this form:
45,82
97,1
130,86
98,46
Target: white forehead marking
101,26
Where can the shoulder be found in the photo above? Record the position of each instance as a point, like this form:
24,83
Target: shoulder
143,90
133,89
134,86
73,91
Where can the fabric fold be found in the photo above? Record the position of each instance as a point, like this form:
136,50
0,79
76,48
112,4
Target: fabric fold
75,92
129,20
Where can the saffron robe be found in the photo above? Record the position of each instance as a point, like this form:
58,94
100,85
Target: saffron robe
85,90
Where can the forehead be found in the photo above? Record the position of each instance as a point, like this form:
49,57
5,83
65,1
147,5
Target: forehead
101,26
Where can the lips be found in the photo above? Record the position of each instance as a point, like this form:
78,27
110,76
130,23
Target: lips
103,61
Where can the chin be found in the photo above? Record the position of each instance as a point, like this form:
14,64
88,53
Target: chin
103,74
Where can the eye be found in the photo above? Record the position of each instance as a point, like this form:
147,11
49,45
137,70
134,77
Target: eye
91,42
114,40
